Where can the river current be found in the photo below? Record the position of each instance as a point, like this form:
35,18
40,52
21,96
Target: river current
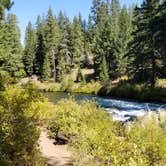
121,110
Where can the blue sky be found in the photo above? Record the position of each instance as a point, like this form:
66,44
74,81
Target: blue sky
27,10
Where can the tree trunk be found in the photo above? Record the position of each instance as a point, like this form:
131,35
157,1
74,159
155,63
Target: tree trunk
153,72
53,67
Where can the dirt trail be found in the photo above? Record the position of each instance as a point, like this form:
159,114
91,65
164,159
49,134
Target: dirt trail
55,155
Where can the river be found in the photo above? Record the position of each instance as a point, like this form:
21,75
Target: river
121,110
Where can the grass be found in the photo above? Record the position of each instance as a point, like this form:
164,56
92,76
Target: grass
161,83
120,89
139,92
68,85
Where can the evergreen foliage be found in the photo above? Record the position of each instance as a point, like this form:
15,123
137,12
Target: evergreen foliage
64,54
77,40
12,57
30,49
90,34
120,41
144,48
102,50
40,48
52,35
46,69
5,4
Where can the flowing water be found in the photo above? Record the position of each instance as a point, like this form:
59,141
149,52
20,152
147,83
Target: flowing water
122,110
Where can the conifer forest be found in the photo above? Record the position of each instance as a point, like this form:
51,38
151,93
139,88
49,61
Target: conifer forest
115,41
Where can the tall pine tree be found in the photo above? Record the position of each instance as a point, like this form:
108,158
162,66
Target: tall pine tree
52,39
77,41
5,4
30,49
124,37
64,54
143,47
102,50
158,25
40,47
13,60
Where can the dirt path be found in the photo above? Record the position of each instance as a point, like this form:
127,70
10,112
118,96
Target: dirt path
55,155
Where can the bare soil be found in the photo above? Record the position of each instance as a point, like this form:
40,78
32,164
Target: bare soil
55,155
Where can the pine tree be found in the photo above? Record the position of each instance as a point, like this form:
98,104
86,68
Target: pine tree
40,47
158,25
102,50
77,41
95,11
102,39
124,37
81,22
61,20
143,47
3,45
13,61
104,74
4,4
113,58
64,55
90,34
52,37
115,11
30,49
46,69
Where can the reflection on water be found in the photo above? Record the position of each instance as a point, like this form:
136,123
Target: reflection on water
122,110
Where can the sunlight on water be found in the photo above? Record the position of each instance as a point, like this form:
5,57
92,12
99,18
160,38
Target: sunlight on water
122,110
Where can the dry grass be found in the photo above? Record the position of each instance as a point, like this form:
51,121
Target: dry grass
161,83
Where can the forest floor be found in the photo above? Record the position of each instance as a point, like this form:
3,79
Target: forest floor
55,155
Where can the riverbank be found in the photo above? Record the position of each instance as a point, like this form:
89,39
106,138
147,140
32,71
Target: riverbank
138,92
65,86
95,139
120,109
89,131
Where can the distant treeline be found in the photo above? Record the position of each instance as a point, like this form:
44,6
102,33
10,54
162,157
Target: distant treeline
115,41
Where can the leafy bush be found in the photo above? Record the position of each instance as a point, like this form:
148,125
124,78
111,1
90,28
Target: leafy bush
150,141
97,140
135,91
161,83
18,132
91,88
5,80
66,84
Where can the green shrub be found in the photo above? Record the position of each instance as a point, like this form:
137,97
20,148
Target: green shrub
91,88
18,132
96,139
52,88
80,77
5,80
154,94
150,141
66,85
134,91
